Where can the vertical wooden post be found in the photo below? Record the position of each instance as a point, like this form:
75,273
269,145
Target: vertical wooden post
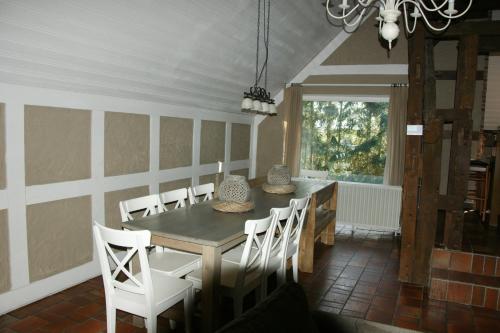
461,137
413,155
431,173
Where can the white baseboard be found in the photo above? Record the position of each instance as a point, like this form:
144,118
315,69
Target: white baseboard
35,291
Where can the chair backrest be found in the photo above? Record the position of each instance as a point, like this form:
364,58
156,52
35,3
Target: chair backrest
279,244
205,190
150,204
301,205
176,196
313,174
256,261
135,242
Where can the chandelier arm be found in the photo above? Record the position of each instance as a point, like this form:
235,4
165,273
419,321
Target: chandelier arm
356,20
422,3
433,27
418,3
457,15
406,20
343,15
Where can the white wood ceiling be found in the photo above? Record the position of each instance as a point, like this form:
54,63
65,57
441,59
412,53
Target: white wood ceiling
198,53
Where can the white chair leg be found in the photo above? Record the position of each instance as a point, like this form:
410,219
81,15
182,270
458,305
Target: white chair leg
188,310
295,267
110,319
151,324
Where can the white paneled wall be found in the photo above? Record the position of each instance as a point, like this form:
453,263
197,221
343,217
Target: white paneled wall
17,196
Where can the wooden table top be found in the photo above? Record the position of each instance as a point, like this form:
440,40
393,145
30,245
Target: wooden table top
201,224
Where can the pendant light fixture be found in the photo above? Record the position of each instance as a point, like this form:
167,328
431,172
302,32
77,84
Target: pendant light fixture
258,100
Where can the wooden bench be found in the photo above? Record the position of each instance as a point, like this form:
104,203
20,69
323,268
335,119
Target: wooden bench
321,220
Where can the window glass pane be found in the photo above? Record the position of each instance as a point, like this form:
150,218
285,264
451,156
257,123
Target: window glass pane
347,139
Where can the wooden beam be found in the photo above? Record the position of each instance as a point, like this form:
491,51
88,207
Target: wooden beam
461,137
483,28
449,203
489,44
452,75
413,157
431,173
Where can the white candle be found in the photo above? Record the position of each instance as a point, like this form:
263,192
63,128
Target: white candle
220,166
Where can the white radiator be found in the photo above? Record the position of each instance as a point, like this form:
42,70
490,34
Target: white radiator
369,205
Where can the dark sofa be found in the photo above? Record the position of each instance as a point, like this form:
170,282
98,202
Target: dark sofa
286,310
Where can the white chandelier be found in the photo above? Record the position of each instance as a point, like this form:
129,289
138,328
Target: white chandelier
258,100
351,12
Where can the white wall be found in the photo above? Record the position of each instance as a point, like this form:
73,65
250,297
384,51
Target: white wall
17,196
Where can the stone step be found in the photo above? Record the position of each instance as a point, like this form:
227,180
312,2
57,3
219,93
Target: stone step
465,278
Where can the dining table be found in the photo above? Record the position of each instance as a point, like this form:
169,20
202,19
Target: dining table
203,230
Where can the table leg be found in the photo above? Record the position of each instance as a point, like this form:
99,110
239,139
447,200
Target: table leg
210,296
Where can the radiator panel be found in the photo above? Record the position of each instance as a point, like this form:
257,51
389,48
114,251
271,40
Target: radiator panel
370,205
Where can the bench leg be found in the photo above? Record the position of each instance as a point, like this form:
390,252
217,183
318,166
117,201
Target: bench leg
306,252
328,235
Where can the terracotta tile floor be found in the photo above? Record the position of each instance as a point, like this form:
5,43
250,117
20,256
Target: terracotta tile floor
357,278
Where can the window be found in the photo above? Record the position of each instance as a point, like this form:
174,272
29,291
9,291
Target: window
346,138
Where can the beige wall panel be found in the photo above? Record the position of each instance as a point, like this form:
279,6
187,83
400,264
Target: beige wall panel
4,253
363,47
57,144
175,184
445,55
240,172
3,174
240,142
270,143
356,91
126,143
59,236
445,94
213,136
210,178
111,200
356,79
176,142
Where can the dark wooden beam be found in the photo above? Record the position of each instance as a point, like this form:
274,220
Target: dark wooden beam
452,75
431,173
483,28
461,137
413,155
449,203
489,44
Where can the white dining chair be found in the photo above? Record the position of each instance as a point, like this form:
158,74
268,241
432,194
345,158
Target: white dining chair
300,212
145,294
175,197
148,205
164,260
239,279
276,261
201,193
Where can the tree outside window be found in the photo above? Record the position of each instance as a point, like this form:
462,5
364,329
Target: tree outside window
347,139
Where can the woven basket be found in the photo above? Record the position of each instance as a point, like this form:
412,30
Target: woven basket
233,207
279,189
